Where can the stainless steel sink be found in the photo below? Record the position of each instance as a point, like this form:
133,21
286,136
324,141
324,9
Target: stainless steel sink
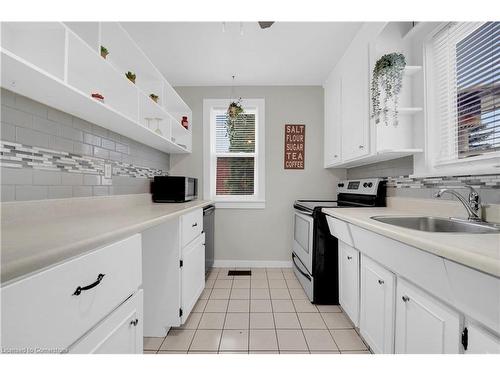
438,224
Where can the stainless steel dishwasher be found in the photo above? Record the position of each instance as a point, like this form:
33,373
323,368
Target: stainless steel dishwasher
209,226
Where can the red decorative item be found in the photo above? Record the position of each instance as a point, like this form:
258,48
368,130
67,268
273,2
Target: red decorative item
98,96
185,122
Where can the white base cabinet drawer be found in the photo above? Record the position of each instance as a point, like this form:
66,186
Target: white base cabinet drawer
119,333
54,308
423,324
376,321
349,281
191,226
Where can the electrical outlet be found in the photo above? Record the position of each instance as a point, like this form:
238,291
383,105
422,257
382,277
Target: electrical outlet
107,170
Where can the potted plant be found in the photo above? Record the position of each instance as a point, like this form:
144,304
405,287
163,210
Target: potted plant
154,97
104,52
234,110
388,76
131,76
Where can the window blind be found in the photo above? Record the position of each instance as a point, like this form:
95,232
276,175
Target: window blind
235,155
466,58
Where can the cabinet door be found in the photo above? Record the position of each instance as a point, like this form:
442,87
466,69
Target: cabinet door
480,341
349,281
120,333
333,119
376,321
192,275
424,325
354,104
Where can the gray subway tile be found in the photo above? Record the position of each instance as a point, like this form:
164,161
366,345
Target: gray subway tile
7,97
108,144
82,191
71,133
100,190
116,156
101,153
15,117
100,131
32,137
45,126
123,148
122,190
91,139
60,144
30,192
30,106
17,176
91,179
56,192
8,193
41,177
82,125
60,117
82,149
7,132
71,178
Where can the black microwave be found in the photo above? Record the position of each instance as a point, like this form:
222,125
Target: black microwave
169,189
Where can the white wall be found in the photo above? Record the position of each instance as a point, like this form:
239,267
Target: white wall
265,235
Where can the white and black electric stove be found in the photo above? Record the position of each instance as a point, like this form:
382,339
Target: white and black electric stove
314,249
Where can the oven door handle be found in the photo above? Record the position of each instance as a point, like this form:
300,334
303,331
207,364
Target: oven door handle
298,268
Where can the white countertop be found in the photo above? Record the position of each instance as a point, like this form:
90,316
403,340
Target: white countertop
37,235
478,251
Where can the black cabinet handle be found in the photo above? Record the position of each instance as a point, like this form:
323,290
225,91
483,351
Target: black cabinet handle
405,298
349,257
79,289
194,225
134,322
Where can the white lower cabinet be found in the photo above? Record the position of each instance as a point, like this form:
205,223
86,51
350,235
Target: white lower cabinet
376,321
480,341
349,281
119,333
192,275
423,324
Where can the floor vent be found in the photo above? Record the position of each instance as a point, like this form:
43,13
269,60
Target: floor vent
239,273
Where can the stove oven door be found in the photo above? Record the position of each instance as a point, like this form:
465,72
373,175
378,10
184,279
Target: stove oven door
303,238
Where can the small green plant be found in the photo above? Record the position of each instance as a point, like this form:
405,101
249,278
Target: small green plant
233,112
131,76
104,52
388,75
154,97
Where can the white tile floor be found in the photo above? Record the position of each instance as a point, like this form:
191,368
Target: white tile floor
265,313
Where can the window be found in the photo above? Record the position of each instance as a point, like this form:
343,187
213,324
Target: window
234,163
466,59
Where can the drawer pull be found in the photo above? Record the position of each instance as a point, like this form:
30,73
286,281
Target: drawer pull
405,298
349,257
194,225
134,322
79,289
381,282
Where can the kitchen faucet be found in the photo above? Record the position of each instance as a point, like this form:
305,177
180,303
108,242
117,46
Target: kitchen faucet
472,206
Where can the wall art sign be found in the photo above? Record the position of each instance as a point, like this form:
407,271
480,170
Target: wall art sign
295,142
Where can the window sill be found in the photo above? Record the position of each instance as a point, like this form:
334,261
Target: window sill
240,205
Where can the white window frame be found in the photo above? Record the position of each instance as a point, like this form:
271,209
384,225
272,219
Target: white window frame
256,201
488,163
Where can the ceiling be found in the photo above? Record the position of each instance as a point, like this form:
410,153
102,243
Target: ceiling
202,54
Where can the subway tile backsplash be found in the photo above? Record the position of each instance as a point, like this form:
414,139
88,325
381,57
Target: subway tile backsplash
399,183
47,154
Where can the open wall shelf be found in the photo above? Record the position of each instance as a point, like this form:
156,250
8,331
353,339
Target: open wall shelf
52,64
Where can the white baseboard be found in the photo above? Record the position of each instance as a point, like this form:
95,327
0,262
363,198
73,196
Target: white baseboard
252,264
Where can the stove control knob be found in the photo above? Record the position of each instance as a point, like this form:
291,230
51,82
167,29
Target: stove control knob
340,185
370,184
365,185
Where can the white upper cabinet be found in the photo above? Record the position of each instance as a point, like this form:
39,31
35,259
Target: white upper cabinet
350,132
423,324
333,112
60,65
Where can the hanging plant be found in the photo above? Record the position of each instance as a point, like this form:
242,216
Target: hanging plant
233,112
388,76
